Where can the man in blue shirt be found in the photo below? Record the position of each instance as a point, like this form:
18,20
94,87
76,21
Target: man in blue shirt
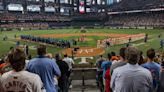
46,68
106,64
153,67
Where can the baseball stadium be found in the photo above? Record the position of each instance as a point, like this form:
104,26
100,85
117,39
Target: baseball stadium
81,45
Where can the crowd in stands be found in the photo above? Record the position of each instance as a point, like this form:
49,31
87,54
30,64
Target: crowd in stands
59,24
35,25
7,17
125,5
154,19
32,16
26,25
49,21
129,71
53,41
140,19
90,16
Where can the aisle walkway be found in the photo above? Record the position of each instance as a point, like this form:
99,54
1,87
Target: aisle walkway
90,86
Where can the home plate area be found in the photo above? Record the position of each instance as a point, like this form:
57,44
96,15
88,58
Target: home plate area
83,52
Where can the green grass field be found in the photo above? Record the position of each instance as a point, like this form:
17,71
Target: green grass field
153,41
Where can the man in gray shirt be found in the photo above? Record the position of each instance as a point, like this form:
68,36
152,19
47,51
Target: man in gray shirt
121,62
131,77
161,85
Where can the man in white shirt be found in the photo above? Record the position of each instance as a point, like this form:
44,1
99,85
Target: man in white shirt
131,77
69,61
70,64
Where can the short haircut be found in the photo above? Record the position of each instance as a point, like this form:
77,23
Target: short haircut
109,56
57,56
41,50
17,59
151,53
122,52
113,53
141,61
101,56
65,55
132,55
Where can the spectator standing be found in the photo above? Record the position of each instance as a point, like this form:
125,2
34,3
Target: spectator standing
19,80
63,79
114,58
70,63
131,77
141,61
46,68
109,71
105,66
107,80
121,62
5,65
153,67
161,85
99,74
99,61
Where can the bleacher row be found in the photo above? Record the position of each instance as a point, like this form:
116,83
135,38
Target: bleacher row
34,25
32,17
26,25
125,5
131,20
151,19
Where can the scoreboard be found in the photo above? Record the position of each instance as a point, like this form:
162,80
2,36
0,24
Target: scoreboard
90,6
